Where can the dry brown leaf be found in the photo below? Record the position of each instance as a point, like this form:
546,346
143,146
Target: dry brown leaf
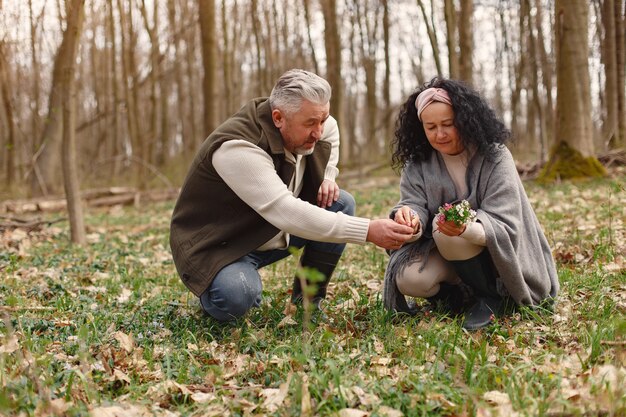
119,375
287,321
497,397
353,412
365,398
167,387
203,397
126,341
124,296
306,408
120,411
11,345
389,412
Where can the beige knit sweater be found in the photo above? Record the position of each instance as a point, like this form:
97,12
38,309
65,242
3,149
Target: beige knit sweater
250,173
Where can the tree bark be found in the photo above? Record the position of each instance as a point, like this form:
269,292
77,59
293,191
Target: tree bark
466,41
432,37
451,39
206,10
547,71
70,172
610,132
307,18
117,146
573,155
7,107
332,46
129,75
620,37
36,94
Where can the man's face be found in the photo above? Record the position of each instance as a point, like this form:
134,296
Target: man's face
302,129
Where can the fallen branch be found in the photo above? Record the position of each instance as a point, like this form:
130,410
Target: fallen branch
27,225
26,308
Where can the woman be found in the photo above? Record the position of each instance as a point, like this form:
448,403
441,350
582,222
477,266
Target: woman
449,145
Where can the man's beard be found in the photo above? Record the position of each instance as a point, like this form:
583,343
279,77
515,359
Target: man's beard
301,150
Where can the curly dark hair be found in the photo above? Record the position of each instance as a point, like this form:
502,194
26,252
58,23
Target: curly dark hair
474,119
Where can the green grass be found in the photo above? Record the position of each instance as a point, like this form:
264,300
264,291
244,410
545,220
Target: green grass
111,325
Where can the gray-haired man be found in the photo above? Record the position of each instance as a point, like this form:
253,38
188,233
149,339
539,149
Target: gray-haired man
262,182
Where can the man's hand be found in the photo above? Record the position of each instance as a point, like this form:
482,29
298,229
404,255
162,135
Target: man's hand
388,234
327,194
407,216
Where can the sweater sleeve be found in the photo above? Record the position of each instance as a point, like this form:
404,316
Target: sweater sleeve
331,134
250,173
475,233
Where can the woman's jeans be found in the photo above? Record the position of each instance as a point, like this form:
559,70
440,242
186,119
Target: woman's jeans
237,287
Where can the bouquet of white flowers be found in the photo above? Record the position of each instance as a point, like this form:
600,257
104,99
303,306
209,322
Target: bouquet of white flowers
460,213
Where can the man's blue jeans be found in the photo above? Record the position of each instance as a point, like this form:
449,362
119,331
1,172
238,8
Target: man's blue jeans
237,287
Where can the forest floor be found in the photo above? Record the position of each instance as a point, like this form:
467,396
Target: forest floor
108,329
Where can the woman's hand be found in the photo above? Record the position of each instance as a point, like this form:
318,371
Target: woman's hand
450,228
408,217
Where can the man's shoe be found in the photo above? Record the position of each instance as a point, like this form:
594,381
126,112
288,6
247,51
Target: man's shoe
483,313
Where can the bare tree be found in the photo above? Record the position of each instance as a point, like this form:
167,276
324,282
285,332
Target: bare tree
451,39
67,62
574,153
610,131
466,41
209,55
432,35
7,107
620,47
332,43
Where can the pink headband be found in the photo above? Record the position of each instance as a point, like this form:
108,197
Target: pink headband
428,96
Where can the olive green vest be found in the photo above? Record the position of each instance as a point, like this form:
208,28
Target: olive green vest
211,227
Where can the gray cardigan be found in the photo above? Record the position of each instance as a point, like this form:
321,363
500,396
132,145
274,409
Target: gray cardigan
515,240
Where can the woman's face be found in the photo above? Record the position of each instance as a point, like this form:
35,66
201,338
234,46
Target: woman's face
438,122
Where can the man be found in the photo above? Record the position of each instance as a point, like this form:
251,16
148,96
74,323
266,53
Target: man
262,182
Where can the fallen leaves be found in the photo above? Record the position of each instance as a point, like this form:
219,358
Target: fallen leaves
10,345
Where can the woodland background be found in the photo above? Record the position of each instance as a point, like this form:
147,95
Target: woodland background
117,95
119,92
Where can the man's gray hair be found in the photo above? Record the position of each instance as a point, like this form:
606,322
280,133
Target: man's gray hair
297,85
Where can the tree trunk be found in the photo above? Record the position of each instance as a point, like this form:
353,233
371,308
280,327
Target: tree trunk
307,18
69,45
129,75
46,169
36,95
206,10
154,138
451,39
546,77
620,46
466,41
432,37
7,106
117,146
573,155
387,121
610,133
196,136
332,44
